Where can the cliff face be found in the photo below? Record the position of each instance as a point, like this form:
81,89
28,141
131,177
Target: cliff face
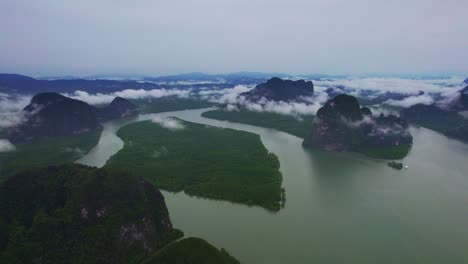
52,114
74,213
342,125
281,90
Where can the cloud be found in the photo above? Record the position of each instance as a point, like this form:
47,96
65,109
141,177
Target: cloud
6,146
10,109
281,107
233,100
176,83
411,100
394,85
159,152
76,150
227,95
169,123
100,98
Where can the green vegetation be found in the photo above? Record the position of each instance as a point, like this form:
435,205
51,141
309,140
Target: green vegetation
289,124
203,161
395,165
171,103
449,123
191,250
78,214
50,151
397,152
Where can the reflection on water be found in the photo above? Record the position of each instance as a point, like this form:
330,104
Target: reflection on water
340,207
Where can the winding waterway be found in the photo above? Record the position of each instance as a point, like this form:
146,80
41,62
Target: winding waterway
340,208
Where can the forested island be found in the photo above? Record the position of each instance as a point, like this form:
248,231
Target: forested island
202,160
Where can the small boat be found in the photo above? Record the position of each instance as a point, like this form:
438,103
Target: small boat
406,167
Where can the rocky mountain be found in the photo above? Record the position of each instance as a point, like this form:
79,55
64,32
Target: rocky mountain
52,115
78,214
118,108
343,125
281,90
15,83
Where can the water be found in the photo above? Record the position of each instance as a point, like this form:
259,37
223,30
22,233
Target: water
340,207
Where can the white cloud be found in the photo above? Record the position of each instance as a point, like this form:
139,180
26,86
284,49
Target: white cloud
411,100
175,83
233,99
395,85
10,109
169,123
100,98
6,146
227,95
76,150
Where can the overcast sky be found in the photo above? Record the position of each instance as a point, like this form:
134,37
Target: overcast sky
56,37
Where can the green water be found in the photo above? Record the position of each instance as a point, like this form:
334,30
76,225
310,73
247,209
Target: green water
340,208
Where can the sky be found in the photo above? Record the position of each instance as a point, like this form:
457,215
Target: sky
55,37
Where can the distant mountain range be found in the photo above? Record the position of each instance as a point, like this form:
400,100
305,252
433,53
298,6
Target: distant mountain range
21,84
14,83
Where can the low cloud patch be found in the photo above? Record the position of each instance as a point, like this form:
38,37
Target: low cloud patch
77,151
411,100
169,123
100,98
6,146
10,109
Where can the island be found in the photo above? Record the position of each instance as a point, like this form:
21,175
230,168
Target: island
395,165
343,125
201,160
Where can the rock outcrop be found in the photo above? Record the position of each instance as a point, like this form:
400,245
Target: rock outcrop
277,89
52,115
343,125
118,108
74,213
